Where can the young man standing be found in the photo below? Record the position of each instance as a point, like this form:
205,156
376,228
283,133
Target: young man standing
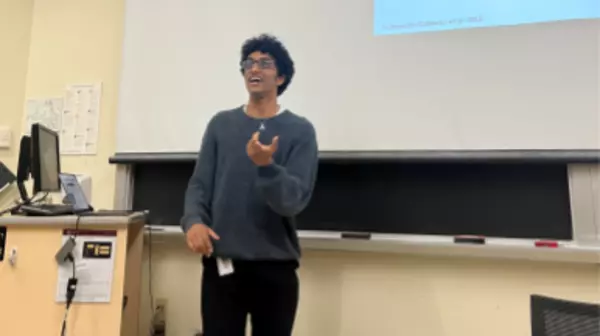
255,171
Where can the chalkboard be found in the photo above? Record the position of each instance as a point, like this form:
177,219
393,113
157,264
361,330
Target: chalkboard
497,200
512,200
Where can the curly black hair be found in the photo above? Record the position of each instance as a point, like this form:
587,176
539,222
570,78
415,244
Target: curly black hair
270,45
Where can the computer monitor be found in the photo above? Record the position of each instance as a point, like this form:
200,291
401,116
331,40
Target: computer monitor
24,167
45,159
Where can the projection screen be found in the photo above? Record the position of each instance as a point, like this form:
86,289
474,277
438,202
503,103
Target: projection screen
382,75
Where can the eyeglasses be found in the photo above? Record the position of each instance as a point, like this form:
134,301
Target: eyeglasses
263,63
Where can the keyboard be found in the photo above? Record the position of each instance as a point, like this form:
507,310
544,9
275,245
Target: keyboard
47,210
108,213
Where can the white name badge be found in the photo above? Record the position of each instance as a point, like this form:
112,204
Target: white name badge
225,266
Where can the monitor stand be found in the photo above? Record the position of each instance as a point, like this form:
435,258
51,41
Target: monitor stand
23,192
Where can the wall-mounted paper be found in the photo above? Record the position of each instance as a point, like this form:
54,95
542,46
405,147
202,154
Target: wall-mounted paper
47,112
80,119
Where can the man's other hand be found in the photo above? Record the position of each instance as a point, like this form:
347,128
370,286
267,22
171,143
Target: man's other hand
199,237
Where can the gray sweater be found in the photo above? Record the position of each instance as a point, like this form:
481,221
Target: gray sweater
251,208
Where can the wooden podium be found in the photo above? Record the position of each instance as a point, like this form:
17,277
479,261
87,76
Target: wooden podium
29,275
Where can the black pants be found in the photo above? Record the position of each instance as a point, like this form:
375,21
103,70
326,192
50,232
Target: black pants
265,290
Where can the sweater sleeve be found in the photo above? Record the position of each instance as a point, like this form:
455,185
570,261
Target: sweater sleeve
288,188
198,196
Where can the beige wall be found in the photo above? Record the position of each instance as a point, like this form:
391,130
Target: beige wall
80,42
74,41
15,29
357,294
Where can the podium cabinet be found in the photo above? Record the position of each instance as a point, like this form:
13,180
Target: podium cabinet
106,260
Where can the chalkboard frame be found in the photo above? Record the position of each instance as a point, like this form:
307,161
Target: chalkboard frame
167,163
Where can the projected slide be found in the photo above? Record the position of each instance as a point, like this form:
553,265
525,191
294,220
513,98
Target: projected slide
404,16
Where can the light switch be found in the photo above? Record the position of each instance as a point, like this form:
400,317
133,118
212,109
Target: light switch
5,137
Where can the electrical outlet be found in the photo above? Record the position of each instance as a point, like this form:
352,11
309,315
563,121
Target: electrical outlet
5,137
160,305
159,323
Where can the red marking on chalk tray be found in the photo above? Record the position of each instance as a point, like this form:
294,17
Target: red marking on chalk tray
546,243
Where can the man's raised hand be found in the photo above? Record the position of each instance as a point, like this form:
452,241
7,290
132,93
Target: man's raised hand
259,153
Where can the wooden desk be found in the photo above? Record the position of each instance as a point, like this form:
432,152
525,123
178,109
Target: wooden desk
28,288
